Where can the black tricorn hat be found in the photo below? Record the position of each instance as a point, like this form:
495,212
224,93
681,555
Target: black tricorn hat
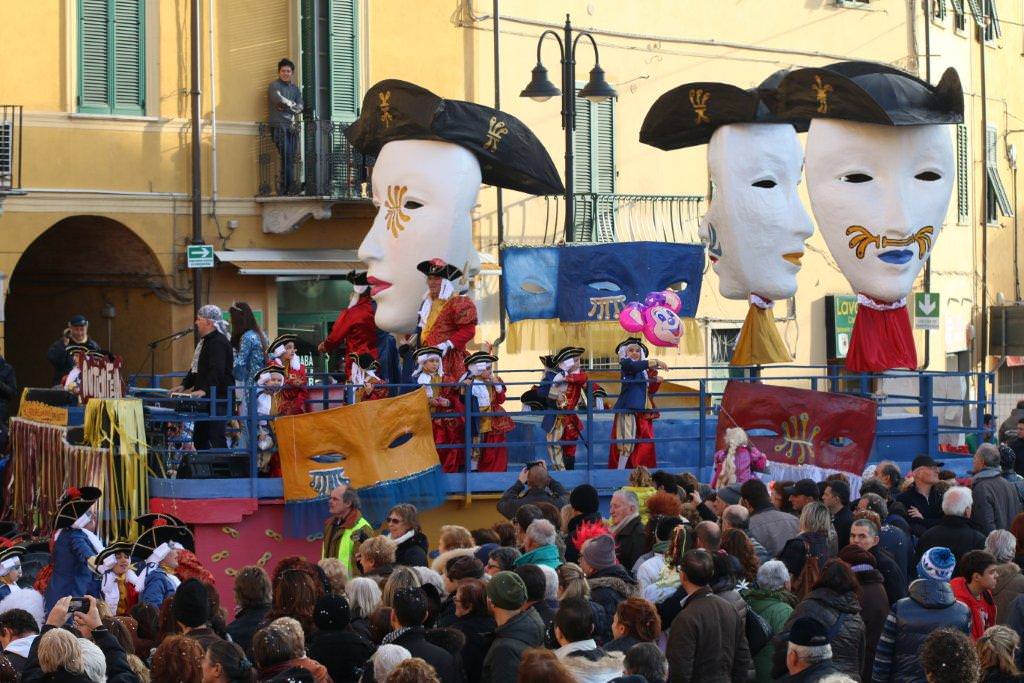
276,369
357,277
426,351
282,339
364,361
689,115
567,352
869,93
480,357
439,268
160,528
533,399
510,155
74,503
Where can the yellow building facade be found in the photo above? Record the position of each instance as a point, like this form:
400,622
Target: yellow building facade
105,219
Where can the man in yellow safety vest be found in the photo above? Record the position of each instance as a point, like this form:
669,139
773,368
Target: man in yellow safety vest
345,529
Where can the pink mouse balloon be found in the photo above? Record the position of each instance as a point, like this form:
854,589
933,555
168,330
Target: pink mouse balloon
657,317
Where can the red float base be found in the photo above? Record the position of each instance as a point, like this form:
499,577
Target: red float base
231,533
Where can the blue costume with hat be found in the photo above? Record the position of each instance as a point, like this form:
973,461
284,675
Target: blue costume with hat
72,548
163,534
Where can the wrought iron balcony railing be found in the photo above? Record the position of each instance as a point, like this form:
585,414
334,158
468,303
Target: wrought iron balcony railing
10,147
311,159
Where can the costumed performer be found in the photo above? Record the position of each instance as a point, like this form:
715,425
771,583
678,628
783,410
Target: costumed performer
737,462
269,382
117,578
295,391
354,329
449,429
157,546
72,380
366,384
447,320
880,173
74,542
10,569
635,414
484,393
563,390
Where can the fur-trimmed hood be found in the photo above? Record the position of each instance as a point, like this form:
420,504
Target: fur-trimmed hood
594,666
441,561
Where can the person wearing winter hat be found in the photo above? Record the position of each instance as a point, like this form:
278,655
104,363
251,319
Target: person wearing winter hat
191,609
518,629
930,605
809,657
585,503
334,644
610,582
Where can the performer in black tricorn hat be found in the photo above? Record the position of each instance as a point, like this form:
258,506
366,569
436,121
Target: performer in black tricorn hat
354,329
157,547
432,155
74,543
880,172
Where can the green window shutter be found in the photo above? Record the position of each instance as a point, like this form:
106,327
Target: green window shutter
583,172
603,141
343,46
963,196
93,66
111,57
128,57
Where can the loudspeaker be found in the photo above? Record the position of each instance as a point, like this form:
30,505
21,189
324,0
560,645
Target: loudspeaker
214,466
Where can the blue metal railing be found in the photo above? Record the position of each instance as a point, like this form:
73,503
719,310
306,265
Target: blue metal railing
684,435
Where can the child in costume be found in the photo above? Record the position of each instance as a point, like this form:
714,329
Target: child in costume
117,578
442,400
74,542
635,414
158,546
295,392
363,376
269,380
485,392
737,462
10,569
563,384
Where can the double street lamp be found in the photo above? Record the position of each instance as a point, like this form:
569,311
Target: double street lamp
542,89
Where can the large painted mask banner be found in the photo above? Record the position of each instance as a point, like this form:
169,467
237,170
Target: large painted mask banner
574,294
432,154
805,434
384,449
880,173
756,226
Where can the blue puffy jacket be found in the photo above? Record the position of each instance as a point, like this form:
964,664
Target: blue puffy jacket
931,605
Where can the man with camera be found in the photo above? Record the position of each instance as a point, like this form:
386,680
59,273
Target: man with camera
535,485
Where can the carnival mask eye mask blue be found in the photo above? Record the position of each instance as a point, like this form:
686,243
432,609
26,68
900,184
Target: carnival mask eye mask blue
531,282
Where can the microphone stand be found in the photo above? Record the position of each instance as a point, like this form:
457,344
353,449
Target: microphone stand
152,352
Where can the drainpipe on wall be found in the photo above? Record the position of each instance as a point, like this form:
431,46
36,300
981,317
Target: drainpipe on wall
500,208
928,78
197,187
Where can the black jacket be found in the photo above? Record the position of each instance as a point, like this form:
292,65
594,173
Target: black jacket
812,674
344,653
417,644
609,587
214,367
956,533
707,642
930,508
118,670
517,495
840,614
246,623
61,360
571,553
842,521
479,630
630,542
511,640
794,553
412,552
895,581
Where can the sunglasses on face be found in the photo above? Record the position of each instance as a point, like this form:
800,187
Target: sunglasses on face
394,520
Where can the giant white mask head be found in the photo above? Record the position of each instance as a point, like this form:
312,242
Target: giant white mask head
756,226
424,191
879,195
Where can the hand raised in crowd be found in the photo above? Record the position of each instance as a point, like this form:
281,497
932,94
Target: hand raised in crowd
90,619
59,614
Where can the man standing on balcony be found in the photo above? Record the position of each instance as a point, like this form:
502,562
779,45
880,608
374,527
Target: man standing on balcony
284,102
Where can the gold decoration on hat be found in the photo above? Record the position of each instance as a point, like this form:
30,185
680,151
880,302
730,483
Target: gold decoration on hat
699,98
384,104
821,92
495,132
396,218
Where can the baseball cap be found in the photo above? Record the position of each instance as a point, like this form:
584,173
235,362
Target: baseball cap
808,632
78,320
804,487
730,494
925,461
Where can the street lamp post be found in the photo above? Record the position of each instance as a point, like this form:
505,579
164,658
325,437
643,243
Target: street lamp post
541,89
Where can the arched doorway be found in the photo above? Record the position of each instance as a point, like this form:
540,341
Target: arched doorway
91,265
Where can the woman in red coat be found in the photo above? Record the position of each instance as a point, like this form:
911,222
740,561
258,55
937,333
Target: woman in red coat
442,400
295,393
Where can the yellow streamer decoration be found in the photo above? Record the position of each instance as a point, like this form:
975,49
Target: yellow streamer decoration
118,425
600,337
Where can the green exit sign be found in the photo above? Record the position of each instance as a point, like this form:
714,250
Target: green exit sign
199,255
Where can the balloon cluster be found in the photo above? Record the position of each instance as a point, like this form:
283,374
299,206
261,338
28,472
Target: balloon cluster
657,317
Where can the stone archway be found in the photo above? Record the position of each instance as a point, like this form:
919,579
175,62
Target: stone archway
85,264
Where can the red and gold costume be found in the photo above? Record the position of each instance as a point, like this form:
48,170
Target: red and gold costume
636,411
490,422
451,320
356,329
291,400
450,429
